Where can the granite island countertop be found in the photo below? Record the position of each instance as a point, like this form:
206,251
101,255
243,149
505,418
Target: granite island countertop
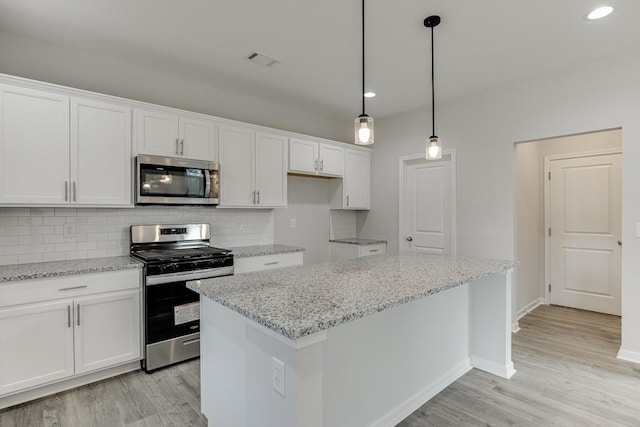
41,270
260,250
359,242
299,301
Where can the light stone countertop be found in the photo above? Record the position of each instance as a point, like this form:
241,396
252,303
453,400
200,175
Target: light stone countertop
359,242
260,250
299,301
40,270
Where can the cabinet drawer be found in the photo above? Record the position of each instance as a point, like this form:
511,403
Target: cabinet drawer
367,250
267,262
30,291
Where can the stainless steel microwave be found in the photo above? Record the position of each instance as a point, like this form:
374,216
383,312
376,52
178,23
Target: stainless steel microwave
173,181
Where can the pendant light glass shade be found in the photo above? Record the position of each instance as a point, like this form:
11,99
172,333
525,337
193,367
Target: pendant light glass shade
434,148
363,130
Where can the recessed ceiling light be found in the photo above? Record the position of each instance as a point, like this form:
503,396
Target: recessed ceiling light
369,94
599,13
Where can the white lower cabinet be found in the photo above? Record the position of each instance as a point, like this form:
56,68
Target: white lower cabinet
36,345
267,262
107,330
340,251
55,329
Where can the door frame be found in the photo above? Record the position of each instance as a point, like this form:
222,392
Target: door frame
447,155
547,207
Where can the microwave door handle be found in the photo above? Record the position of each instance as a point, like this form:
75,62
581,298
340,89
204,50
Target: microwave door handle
207,183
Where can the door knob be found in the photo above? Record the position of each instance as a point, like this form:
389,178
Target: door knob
619,242
409,239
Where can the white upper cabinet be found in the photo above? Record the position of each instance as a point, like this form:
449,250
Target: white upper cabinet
252,168
271,170
34,147
354,191
101,165
164,134
315,158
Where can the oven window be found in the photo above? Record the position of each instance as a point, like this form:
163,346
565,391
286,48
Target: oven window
169,309
169,181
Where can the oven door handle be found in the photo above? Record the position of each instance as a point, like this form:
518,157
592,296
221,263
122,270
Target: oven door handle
188,275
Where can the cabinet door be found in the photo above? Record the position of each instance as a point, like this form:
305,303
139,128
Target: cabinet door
198,139
34,146
357,179
303,155
36,345
271,170
237,167
107,330
101,165
157,133
331,160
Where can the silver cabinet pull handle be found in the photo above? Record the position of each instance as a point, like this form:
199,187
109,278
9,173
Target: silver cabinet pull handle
66,191
78,310
322,164
177,146
374,250
272,263
182,146
72,287
315,164
68,316
347,200
258,196
75,198
254,197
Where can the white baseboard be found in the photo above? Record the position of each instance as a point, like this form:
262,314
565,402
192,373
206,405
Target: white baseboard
57,387
629,356
406,408
504,371
530,307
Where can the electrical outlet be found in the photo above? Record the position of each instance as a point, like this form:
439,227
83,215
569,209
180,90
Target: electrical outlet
277,375
292,223
69,230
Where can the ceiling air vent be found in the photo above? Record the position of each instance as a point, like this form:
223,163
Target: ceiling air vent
260,59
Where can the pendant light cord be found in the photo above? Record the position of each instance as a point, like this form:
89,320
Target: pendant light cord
433,90
363,109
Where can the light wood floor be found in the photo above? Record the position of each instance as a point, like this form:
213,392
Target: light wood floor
567,376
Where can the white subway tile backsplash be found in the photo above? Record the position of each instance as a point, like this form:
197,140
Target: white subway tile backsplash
35,234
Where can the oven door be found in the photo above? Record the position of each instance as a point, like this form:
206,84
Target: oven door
165,180
171,311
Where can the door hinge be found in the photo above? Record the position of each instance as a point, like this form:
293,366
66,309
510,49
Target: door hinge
549,176
549,231
549,287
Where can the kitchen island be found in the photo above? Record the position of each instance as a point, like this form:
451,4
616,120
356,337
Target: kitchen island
359,342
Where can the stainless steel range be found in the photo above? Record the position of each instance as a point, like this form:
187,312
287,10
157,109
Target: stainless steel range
173,255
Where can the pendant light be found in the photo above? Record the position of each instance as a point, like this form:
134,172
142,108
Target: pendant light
363,127
434,147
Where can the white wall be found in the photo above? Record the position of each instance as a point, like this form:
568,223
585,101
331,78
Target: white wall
483,129
530,204
85,70
36,234
308,203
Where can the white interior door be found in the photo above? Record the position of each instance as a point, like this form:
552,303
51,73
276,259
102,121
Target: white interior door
427,207
584,249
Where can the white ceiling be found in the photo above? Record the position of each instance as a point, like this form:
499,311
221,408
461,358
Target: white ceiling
480,43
